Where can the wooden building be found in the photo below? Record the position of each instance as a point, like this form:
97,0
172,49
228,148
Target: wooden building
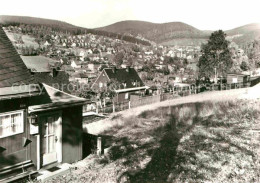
123,82
233,78
40,126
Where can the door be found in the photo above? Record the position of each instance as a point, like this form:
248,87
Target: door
51,142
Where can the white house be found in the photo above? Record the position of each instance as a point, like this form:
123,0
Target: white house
47,43
75,65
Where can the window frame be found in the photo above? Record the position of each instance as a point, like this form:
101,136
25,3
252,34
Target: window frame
9,114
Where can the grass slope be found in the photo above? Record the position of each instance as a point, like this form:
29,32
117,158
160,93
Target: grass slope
193,142
27,39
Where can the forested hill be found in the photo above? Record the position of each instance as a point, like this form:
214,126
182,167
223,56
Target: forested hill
157,32
33,23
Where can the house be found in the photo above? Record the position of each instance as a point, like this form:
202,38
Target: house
237,78
40,126
47,43
110,50
123,82
94,67
75,64
80,77
82,55
67,68
73,44
89,51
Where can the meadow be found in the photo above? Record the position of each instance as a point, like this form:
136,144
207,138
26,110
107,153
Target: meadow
193,142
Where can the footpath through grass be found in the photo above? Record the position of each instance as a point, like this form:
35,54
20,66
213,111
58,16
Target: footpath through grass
194,142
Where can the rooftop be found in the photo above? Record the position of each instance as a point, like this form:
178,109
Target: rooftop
125,76
12,69
38,63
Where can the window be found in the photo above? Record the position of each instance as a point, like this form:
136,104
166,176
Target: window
49,135
11,123
234,80
126,96
100,85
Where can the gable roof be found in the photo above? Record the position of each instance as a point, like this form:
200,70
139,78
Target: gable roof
36,63
124,76
12,69
54,99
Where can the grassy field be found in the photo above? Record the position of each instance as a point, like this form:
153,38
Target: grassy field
193,142
28,40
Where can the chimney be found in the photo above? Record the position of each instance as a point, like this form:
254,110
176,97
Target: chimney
53,72
113,69
127,68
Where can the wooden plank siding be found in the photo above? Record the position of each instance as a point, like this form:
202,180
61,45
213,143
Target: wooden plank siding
15,152
239,77
72,134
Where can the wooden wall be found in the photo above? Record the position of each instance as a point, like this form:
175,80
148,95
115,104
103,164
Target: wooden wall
72,134
240,78
15,152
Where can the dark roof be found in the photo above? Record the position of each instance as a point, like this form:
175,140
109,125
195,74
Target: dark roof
238,74
124,76
12,69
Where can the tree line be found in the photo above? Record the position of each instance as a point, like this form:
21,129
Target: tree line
38,29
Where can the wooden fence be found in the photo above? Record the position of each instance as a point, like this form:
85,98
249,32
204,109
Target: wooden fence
145,100
176,92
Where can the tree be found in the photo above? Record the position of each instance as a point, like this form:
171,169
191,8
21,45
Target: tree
216,56
119,58
130,61
102,67
253,51
244,66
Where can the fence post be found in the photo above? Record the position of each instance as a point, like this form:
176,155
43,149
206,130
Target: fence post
97,108
129,104
99,146
114,107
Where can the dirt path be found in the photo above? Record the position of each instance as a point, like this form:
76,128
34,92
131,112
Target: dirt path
244,93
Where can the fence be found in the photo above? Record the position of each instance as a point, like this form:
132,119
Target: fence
122,106
145,100
177,92
255,81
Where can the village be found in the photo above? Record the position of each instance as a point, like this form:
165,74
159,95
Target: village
84,56
76,102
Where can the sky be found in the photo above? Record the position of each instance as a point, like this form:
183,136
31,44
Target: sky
202,14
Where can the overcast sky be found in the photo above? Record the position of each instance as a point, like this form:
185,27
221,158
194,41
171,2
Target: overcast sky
202,14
